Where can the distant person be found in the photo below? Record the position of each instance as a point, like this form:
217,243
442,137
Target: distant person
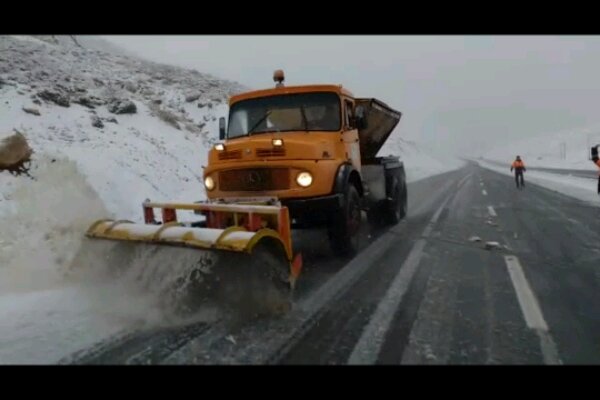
519,167
596,161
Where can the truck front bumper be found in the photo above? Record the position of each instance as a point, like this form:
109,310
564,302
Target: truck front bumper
313,212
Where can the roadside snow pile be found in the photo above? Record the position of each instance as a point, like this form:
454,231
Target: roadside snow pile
579,188
40,232
41,314
547,151
417,163
51,303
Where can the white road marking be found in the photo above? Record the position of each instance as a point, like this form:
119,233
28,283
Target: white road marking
549,350
492,211
368,347
527,301
484,192
531,309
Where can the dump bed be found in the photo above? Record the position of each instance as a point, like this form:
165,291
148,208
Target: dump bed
381,121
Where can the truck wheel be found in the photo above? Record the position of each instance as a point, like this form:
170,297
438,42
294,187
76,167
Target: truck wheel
345,226
404,205
397,207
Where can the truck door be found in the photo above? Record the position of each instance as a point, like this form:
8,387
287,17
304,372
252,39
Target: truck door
350,134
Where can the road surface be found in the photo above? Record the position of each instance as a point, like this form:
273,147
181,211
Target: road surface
479,273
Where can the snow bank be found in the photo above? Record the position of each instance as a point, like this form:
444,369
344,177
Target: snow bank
54,298
40,233
42,314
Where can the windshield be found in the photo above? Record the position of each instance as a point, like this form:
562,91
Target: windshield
290,112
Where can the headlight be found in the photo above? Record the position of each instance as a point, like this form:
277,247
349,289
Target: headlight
219,147
304,179
209,183
277,142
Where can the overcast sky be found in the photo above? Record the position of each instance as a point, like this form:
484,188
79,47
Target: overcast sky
460,94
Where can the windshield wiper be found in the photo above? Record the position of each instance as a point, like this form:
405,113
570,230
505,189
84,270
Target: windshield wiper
304,119
260,121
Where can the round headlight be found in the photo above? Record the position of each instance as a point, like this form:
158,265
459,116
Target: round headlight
304,179
209,183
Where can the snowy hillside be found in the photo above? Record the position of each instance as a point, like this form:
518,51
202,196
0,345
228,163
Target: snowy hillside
87,42
136,129
568,150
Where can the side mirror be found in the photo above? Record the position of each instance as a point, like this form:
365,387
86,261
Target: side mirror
222,128
361,119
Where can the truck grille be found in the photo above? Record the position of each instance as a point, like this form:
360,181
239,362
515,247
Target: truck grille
255,179
272,152
230,155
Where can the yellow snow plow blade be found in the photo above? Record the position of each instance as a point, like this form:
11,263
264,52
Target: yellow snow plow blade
241,254
234,238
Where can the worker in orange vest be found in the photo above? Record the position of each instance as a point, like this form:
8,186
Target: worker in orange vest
596,161
519,167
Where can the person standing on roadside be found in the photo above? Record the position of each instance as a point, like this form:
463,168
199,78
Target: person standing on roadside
519,167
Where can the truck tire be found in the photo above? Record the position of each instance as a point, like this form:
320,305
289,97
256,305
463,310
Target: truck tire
390,212
404,209
344,227
396,208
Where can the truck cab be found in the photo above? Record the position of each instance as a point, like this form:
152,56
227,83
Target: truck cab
313,148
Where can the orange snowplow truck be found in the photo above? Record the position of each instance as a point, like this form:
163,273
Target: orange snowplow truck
289,157
313,148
